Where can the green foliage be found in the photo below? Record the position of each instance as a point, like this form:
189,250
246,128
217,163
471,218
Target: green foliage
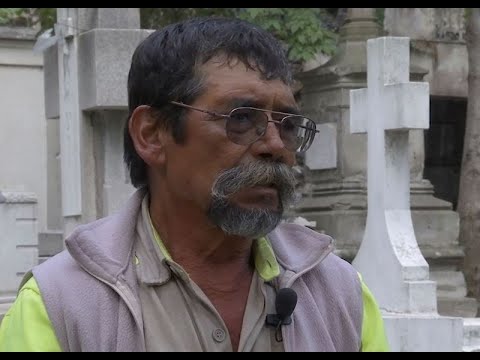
155,18
380,16
467,13
299,29
302,30
41,18
12,16
47,17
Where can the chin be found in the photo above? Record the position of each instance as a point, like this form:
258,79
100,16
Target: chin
239,220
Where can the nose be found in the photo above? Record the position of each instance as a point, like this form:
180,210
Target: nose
271,147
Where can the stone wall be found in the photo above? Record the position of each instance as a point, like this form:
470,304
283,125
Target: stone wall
437,44
18,240
23,127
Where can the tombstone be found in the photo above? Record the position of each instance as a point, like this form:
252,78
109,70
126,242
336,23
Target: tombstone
336,198
22,158
389,257
86,100
18,239
437,43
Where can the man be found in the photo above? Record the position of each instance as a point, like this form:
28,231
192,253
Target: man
198,259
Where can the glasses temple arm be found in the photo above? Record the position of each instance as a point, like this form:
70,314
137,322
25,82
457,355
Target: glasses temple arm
197,109
301,126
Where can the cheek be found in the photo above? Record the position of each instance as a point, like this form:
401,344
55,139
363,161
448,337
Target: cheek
215,153
205,153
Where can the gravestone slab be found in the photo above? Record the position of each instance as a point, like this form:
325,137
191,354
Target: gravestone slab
18,242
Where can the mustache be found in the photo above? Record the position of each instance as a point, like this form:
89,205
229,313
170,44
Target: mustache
256,173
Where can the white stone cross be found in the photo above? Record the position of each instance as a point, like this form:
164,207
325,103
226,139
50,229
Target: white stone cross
389,258
69,111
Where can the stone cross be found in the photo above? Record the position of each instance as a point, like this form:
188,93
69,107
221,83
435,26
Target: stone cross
389,258
70,119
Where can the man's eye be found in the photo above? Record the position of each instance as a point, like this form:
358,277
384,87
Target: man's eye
241,120
240,124
289,125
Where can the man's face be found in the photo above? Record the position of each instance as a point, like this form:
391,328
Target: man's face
243,189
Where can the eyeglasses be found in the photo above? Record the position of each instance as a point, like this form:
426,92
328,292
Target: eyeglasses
245,125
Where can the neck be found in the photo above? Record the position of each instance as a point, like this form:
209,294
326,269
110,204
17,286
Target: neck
193,241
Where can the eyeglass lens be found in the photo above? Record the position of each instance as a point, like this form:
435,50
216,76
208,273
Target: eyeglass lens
246,125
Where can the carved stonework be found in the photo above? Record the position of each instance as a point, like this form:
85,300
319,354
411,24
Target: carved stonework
17,197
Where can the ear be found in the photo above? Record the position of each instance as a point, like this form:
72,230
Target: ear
148,138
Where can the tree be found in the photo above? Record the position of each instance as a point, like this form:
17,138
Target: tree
469,192
39,18
304,31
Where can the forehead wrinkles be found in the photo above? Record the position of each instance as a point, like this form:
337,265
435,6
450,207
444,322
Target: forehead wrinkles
233,79
219,63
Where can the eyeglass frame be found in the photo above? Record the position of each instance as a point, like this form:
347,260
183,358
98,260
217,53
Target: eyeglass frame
279,122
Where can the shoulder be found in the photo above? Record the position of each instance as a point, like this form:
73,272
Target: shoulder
62,280
343,267
333,293
30,288
67,289
29,293
338,283
58,270
26,326
338,275
72,297
374,338
304,251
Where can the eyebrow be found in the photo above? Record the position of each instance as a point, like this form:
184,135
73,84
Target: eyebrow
250,102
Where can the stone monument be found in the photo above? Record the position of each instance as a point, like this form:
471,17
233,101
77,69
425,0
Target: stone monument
336,167
437,43
18,239
22,158
86,101
389,257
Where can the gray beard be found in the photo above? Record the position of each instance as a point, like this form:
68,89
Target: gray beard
250,223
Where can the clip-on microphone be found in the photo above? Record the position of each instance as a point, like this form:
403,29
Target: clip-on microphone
285,303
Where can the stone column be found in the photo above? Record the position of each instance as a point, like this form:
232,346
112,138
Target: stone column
88,93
